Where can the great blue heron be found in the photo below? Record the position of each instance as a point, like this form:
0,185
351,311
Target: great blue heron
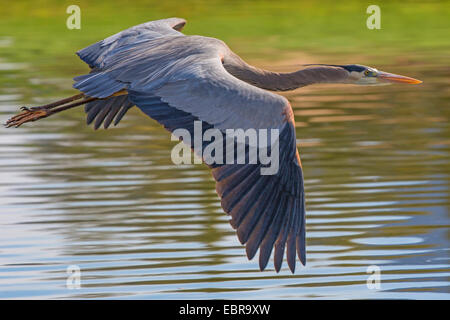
176,80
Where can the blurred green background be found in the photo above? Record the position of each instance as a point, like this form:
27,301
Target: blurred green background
40,37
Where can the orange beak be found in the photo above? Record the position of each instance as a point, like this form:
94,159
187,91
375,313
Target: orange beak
390,77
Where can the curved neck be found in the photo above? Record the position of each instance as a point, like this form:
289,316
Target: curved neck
276,81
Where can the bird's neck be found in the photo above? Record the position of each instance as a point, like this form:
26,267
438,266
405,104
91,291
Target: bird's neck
276,81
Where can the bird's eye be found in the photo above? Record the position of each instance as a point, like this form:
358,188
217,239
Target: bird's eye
367,72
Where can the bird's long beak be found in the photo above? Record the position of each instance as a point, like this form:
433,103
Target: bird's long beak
390,77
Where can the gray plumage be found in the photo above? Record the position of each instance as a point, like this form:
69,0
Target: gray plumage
177,79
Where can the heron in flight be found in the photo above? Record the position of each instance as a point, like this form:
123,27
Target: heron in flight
177,80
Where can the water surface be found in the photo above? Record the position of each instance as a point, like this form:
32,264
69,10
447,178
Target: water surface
376,166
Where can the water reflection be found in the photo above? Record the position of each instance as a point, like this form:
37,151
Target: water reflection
112,202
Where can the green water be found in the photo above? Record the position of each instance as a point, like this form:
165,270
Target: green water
376,161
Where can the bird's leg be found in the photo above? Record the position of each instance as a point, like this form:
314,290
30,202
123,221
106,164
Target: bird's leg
36,113
56,103
27,115
75,104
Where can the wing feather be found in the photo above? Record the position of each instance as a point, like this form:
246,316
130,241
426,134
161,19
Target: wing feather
187,73
94,54
264,209
178,80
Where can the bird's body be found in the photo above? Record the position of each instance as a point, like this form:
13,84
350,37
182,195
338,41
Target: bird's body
178,80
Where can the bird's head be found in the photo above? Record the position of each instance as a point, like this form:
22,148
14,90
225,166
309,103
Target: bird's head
364,75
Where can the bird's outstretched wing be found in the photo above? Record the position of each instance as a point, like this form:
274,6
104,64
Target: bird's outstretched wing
113,109
95,53
177,80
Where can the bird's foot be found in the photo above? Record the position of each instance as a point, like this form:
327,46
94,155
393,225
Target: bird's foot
27,115
31,108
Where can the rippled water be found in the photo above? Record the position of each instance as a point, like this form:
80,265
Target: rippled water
376,166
